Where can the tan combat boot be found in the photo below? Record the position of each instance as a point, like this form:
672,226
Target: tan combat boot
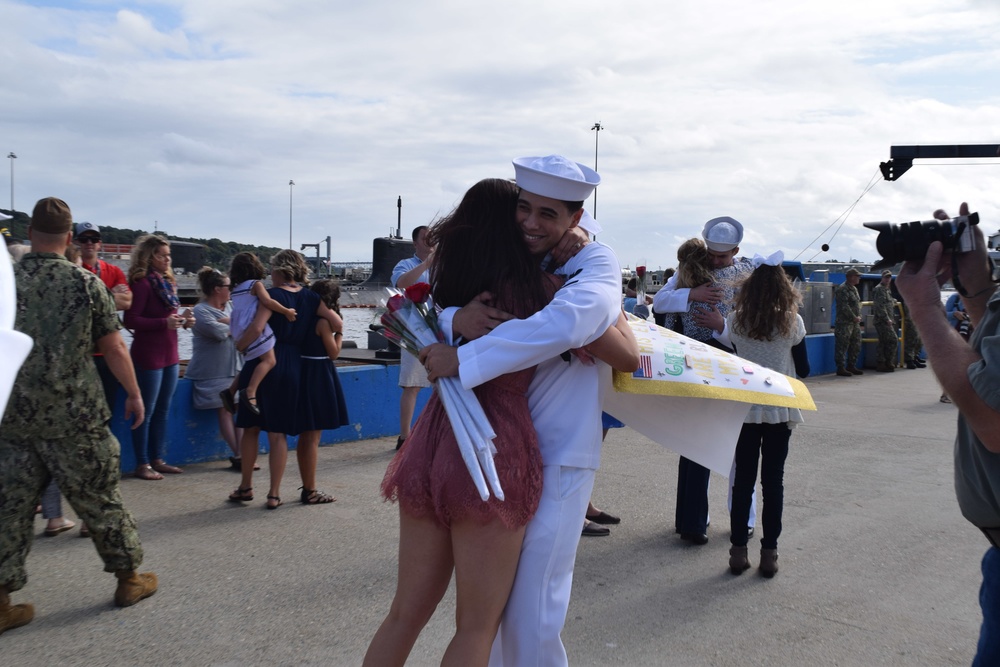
133,587
13,616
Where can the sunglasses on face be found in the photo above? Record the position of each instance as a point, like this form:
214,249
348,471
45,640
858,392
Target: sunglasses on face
89,239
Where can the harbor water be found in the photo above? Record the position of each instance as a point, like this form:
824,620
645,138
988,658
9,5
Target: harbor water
356,321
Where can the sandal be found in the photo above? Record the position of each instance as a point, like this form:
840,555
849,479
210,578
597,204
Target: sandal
227,401
314,497
147,472
61,528
274,502
241,495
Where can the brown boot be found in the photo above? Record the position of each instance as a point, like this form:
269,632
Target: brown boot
768,562
738,562
857,371
843,372
133,587
13,615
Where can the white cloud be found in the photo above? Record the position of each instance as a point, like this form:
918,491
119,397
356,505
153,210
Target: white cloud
196,114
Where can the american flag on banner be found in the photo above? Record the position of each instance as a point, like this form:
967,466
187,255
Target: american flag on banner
645,369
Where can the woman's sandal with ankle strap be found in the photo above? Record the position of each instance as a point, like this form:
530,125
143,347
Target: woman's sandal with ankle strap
276,500
241,495
315,497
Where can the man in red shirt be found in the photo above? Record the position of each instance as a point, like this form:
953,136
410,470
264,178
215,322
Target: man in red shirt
88,238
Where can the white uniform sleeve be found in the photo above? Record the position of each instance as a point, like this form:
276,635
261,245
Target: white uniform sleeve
445,318
724,336
581,311
670,298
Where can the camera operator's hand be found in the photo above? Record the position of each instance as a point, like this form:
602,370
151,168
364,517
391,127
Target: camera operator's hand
974,271
918,281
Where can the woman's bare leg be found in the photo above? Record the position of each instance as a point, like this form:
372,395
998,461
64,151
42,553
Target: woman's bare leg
248,452
228,431
307,455
425,566
485,564
276,461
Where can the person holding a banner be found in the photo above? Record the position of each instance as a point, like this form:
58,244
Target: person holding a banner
722,237
764,325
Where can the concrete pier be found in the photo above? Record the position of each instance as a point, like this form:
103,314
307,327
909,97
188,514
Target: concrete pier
877,565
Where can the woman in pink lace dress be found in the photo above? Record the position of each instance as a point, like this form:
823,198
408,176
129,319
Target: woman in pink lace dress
444,525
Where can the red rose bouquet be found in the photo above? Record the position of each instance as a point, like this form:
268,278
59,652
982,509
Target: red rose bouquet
640,284
411,322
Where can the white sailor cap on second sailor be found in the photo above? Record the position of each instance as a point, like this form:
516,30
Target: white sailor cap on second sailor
722,234
556,177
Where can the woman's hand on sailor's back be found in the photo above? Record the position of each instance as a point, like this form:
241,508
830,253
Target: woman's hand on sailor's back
477,318
439,361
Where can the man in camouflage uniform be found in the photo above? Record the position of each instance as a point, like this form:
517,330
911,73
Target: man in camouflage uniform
912,345
911,350
847,326
884,309
56,423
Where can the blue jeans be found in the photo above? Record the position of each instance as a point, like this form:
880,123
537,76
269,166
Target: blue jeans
988,650
157,389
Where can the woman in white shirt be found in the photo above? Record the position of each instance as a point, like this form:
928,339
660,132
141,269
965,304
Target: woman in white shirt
764,325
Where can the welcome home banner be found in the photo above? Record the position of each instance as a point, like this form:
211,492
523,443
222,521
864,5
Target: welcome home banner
692,398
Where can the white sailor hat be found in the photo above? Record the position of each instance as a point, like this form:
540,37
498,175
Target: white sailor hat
589,224
722,234
556,177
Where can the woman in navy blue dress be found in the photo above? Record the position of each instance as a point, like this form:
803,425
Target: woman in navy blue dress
321,404
278,398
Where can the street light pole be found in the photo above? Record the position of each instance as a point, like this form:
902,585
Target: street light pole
290,184
597,134
12,158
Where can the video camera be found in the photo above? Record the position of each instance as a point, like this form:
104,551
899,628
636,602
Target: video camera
909,241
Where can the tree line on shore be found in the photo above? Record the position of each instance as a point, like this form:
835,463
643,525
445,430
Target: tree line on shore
218,253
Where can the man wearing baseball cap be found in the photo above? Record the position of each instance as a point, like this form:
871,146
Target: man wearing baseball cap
884,311
722,237
847,325
56,423
87,236
564,397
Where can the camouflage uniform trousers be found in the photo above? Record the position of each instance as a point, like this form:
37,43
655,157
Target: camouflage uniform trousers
913,345
86,468
885,349
847,342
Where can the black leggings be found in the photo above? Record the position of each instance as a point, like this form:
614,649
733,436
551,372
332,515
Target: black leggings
769,442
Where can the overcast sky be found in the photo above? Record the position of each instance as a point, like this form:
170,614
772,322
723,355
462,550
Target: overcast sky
193,115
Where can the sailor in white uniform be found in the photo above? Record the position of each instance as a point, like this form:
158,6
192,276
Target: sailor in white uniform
565,400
